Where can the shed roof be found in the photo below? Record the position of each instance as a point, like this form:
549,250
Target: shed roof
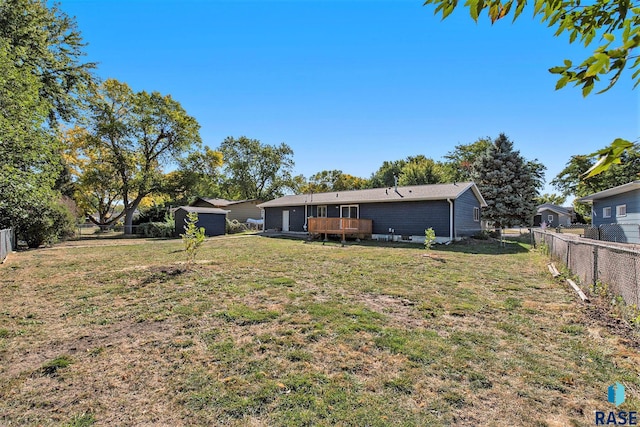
376,195
223,202
203,210
624,188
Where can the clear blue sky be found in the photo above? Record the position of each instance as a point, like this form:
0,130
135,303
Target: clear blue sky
349,84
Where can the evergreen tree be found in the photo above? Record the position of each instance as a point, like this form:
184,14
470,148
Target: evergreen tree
509,183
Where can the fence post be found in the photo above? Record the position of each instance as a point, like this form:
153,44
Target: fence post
595,265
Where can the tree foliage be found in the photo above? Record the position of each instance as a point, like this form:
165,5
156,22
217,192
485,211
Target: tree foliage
615,24
553,199
41,79
509,184
198,175
134,134
255,170
414,170
571,180
331,180
46,45
461,159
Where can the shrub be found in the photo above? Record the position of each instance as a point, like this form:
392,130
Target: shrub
234,227
47,224
156,229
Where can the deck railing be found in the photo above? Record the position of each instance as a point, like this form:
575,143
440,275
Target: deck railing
340,225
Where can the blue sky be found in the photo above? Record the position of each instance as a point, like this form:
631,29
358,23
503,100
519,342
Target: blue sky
349,84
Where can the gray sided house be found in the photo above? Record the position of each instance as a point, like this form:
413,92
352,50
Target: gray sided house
617,211
402,213
240,210
553,216
212,219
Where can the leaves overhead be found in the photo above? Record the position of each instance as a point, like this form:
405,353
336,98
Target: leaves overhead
614,23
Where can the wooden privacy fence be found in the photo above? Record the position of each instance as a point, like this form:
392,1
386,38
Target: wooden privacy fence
6,243
342,226
617,266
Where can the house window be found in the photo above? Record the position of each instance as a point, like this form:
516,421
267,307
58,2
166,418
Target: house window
549,218
322,211
349,211
606,212
621,210
476,214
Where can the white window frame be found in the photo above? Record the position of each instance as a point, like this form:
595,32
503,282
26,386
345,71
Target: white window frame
621,210
350,206
476,214
320,209
549,218
606,212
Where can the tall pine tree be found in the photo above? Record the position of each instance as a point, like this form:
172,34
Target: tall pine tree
509,183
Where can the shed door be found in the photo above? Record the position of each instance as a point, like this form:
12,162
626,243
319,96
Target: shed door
285,220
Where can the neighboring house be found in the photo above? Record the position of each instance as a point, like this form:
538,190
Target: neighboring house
240,210
212,219
617,211
553,215
402,213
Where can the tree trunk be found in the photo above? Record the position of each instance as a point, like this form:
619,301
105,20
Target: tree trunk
128,216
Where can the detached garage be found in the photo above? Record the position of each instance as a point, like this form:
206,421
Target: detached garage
212,219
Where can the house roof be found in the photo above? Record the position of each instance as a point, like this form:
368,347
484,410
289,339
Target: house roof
198,209
554,208
223,202
624,188
376,195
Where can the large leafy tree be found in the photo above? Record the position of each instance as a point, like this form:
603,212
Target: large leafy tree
198,175
509,183
255,170
332,180
571,180
47,45
614,24
553,199
136,134
461,159
420,170
414,170
41,79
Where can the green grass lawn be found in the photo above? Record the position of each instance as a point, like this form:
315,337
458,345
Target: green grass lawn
269,332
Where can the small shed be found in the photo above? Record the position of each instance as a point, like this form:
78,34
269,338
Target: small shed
212,219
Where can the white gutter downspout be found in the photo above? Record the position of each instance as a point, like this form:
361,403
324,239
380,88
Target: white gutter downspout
305,217
450,220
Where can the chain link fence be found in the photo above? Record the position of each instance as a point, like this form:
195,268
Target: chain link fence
7,243
617,266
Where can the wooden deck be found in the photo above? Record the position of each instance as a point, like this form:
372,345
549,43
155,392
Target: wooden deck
341,226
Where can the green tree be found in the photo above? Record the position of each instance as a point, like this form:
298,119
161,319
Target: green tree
420,170
414,170
136,134
255,170
571,181
332,180
198,175
47,45
384,176
41,78
461,159
509,184
616,26
554,199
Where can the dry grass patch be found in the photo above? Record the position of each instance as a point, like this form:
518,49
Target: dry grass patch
281,332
